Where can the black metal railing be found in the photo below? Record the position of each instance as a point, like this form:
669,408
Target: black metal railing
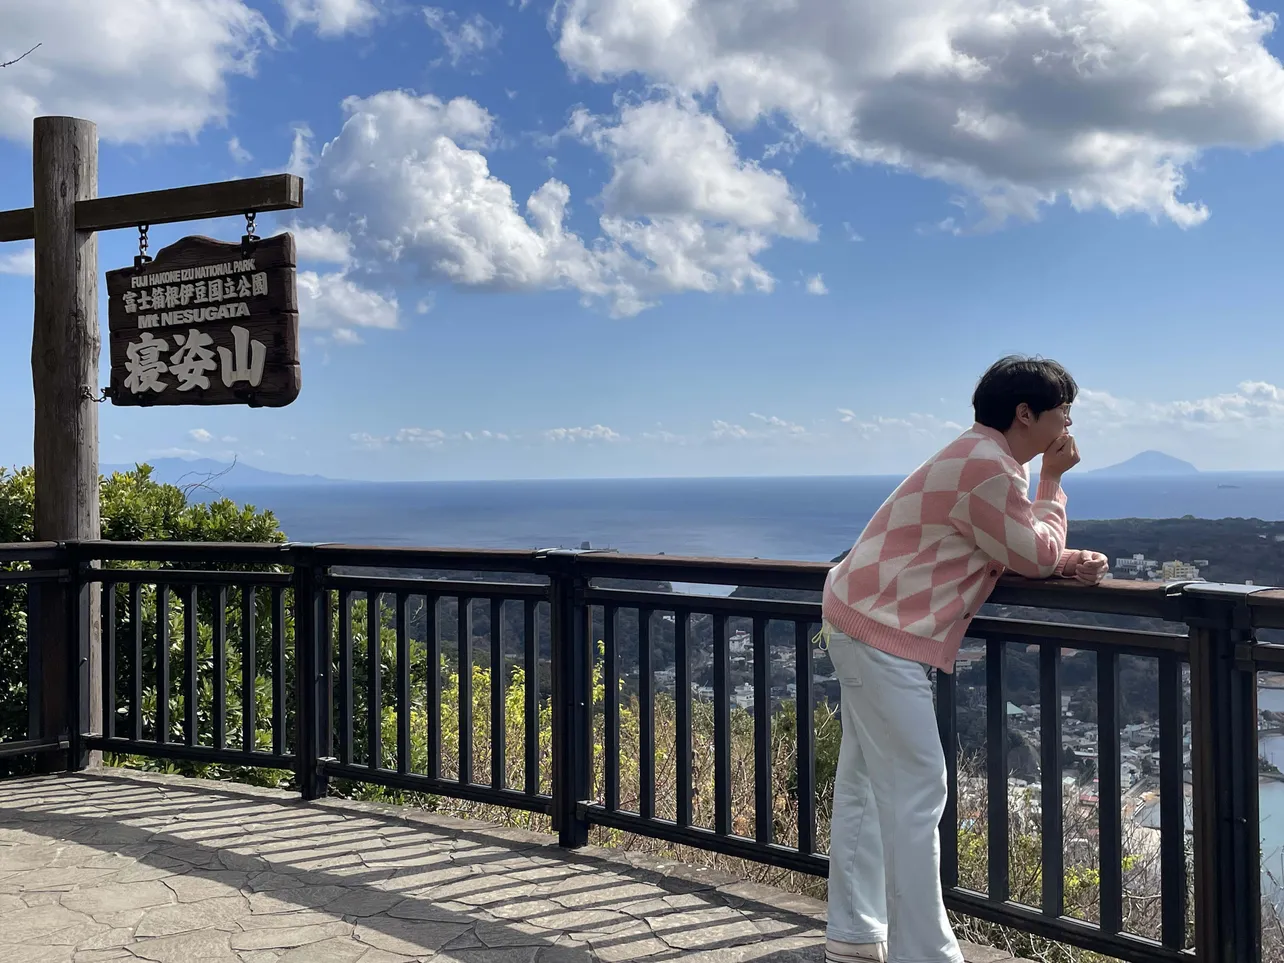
27,711
572,684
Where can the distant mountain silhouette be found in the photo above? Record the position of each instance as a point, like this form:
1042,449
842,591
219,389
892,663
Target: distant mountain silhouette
182,471
1148,463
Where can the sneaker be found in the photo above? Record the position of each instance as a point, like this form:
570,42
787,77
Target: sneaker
837,951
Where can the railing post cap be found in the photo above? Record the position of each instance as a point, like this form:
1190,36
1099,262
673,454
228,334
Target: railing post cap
1222,589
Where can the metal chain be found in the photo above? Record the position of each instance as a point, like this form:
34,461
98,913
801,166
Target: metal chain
247,241
142,257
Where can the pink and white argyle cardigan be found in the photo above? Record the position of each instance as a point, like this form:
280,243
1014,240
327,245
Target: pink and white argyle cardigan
930,556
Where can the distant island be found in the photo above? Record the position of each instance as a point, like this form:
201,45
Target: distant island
195,471
1146,464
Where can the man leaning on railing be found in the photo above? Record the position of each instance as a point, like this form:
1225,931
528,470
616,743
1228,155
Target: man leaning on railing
900,602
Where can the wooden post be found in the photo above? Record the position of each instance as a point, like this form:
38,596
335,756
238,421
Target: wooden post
65,346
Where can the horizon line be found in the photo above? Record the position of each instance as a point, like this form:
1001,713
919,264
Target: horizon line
670,477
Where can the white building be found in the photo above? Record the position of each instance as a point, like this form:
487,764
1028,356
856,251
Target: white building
1137,565
1177,569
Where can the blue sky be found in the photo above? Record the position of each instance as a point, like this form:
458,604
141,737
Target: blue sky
610,238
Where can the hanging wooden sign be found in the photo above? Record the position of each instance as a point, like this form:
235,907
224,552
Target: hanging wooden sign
206,323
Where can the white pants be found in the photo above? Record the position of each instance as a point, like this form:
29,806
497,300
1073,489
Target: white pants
890,792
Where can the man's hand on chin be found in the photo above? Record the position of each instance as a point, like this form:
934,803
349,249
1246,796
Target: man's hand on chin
1091,568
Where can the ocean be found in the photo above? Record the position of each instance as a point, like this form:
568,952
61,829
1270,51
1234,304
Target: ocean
809,519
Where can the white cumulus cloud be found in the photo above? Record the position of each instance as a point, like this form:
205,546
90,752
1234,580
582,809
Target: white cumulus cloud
424,438
334,302
302,158
428,437
1101,103
201,435
682,211
22,261
1252,405
711,183
765,428
816,285
239,153
912,423
140,69
322,243
590,434
330,18
682,201
778,424
727,430
1237,429
465,37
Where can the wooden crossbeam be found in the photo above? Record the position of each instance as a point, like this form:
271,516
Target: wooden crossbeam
18,225
275,192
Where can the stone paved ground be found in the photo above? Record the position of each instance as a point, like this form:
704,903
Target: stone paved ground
109,866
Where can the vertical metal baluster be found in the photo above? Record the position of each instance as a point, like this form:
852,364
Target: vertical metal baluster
219,639
163,682
1050,778
804,709
721,727
190,688
611,707
136,658
646,724
374,681
346,704
432,608
109,660
403,686
279,723
498,691
1109,792
997,769
531,713
1172,809
465,619
35,675
764,829
327,669
249,669
947,726
682,683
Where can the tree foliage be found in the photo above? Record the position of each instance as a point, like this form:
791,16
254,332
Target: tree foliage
134,507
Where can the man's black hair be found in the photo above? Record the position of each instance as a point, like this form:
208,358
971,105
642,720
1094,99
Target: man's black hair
1043,385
